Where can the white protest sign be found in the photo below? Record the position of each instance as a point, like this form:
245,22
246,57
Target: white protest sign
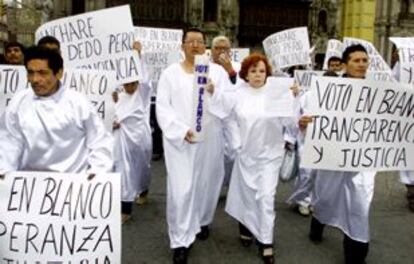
406,64
89,41
287,48
279,98
360,125
378,69
12,79
239,54
303,78
160,48
406,59
158,39
334,49
403,42
236,54
50,217
201,70
97,86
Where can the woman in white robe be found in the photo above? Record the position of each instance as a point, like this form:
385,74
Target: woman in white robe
132,148
260,147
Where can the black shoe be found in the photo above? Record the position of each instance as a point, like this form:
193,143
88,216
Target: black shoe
203,234
156,156
316,230
180,255
246,237
355,252
266,252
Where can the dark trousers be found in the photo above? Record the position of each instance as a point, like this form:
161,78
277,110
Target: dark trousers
157,147
126,208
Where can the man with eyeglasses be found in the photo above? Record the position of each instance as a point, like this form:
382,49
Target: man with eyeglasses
194,175
220,54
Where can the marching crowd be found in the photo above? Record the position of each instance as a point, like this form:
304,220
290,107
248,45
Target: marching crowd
53,128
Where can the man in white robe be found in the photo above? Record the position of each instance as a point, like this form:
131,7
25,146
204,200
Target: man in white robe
50,127
132,148
220,54
194,175
342,199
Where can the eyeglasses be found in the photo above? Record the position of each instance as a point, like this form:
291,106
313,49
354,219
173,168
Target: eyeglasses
194,42
221,48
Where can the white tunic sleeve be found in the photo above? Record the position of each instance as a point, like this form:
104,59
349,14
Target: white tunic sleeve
11,144
173,128
99,143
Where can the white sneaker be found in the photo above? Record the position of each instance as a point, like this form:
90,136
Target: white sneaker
303,210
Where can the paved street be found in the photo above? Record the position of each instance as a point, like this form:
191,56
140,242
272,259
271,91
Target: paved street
145,238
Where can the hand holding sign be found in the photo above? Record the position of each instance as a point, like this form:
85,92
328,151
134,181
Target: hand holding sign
304,122
210,86
189,137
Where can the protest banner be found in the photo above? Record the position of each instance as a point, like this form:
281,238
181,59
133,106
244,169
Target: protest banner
287,48
359,125
12,79
403,42
158,39
378,69
239,54
97,86
160,48
48,217
335,48
303,78
279,101
88,41
201,70
406,64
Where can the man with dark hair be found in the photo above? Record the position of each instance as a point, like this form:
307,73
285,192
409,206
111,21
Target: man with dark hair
51,127
342,199
195,174
49,42
14,53
334,64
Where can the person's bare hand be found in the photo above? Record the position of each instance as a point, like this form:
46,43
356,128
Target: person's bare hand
304,122
295,89
137,46
115,96
116,125
189,137
210,86
225,61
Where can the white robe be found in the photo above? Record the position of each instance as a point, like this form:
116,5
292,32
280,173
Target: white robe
229,153
60,133
302,190
194,173
255,174
406,177
133,142
343,200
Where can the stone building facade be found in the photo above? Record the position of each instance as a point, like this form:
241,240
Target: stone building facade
246,22
393,18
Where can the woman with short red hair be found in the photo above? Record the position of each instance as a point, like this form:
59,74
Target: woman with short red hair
259,140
